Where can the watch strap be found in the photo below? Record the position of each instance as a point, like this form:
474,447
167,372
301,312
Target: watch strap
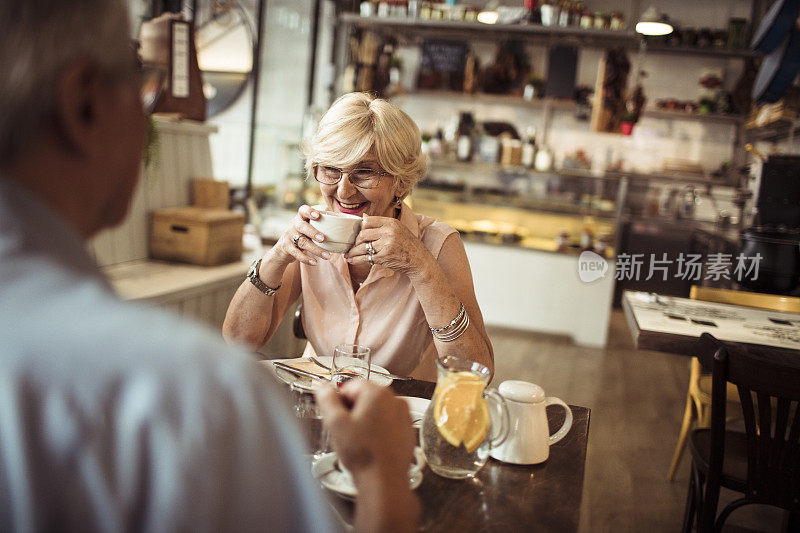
252,275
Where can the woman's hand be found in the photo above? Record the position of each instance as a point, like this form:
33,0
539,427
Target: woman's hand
299,241
394,246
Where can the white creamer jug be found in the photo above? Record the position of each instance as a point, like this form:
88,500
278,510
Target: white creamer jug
528,440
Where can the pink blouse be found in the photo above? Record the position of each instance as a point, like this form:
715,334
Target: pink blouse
384,313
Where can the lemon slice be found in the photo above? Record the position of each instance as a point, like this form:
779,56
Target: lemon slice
460,412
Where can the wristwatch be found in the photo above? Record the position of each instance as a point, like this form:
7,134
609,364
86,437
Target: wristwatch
252,275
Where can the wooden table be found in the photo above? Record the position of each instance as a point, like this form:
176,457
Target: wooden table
673,325
504,497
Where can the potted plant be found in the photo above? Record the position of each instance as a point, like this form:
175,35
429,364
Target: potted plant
626,121
151,154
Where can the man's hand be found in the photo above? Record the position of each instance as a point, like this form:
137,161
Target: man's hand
370,430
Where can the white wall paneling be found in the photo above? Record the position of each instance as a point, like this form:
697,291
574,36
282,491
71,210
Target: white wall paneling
184,155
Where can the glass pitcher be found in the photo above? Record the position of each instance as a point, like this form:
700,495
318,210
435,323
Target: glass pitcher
460,426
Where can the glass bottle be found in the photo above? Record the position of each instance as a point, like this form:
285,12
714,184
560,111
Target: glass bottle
532,15
465,143
529,148
563,16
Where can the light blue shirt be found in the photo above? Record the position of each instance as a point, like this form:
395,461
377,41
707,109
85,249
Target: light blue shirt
115,417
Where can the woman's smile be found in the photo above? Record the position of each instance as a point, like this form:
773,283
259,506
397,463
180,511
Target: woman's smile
350,208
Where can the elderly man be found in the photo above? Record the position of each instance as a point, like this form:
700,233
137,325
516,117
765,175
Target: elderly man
114,417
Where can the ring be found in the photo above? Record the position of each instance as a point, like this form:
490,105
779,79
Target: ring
369,258
295,239
370,249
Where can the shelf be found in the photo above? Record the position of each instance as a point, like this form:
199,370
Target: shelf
562,104
575,173
507,99
719,53
699,117
406,29
403,28
775,131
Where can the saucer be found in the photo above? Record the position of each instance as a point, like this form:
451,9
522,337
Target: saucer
417,408
326,469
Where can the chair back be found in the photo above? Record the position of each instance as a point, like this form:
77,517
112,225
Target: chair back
769,390
773,302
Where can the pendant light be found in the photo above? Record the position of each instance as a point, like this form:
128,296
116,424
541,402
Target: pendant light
653,23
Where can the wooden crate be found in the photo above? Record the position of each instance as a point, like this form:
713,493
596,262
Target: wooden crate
208,192
197,235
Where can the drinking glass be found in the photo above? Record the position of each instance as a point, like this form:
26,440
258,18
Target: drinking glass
349,361
310,420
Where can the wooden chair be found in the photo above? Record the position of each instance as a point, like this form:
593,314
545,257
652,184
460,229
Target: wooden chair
698,397
763,463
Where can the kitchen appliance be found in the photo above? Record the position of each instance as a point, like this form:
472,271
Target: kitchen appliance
775,186
774,219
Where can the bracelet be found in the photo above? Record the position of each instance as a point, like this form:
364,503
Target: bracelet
456,333
459,325
452,323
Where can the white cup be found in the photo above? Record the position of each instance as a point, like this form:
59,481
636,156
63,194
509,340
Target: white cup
340,230
529,438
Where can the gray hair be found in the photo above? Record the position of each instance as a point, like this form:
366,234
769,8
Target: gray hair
38,40
358,123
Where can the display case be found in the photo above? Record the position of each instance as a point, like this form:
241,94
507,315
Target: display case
564,211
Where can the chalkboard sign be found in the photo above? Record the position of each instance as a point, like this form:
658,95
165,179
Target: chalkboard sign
444,56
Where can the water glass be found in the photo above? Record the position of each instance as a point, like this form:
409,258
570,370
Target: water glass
310,421
350,361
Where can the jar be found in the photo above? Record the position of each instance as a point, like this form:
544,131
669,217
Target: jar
413,8
511,152
366,9
563,16
617,21
587,21
456,13
549,14
600,21
689,37
737,33
383,9
425,10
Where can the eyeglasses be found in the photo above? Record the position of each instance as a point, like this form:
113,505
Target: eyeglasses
363,178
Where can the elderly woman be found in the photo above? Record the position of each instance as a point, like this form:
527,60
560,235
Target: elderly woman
404,289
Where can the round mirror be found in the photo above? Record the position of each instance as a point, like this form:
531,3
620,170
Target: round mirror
225,51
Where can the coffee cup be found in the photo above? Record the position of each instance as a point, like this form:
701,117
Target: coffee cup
340,230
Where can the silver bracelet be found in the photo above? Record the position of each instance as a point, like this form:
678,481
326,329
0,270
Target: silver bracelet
456,333
452,323
459,325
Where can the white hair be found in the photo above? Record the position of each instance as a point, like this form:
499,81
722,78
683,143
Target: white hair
360,123
38,40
